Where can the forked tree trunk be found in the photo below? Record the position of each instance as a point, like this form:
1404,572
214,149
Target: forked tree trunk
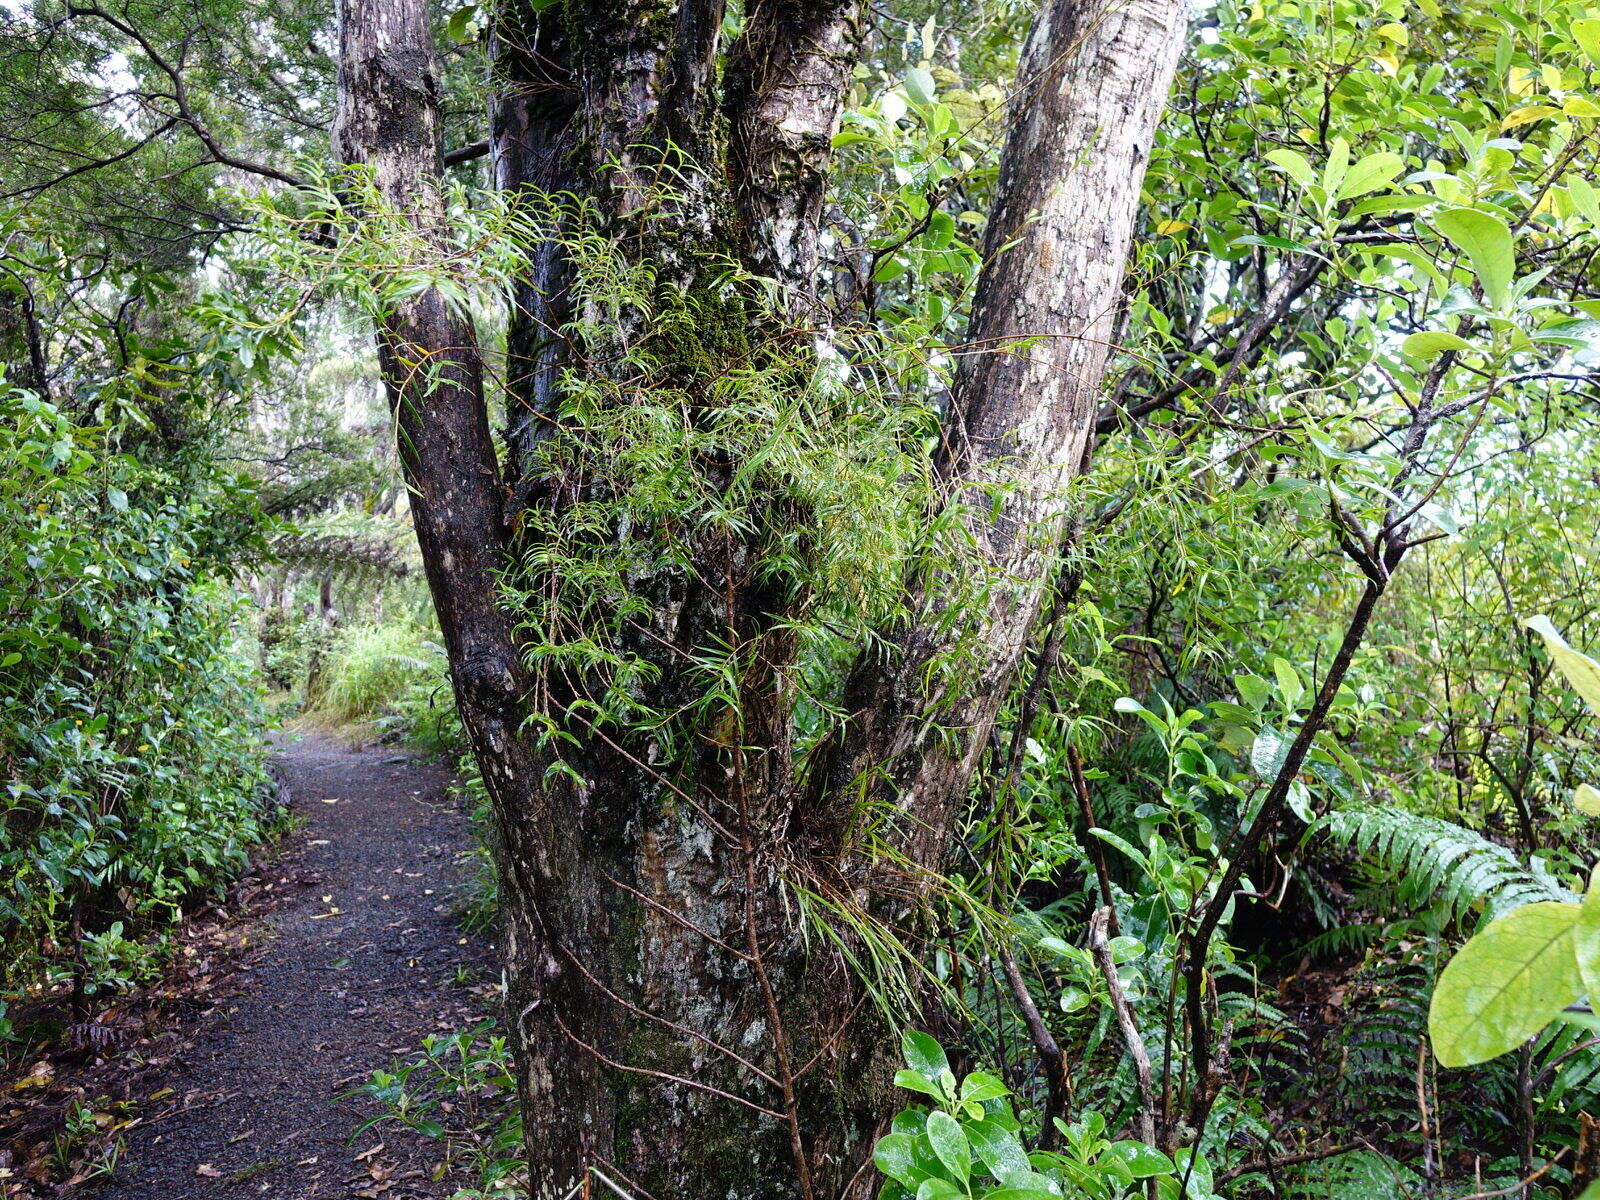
675,1031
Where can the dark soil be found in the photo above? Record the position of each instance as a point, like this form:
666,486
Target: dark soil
350,968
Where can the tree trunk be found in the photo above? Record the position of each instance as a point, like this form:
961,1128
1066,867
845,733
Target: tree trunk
676,1030
1090,89
22,355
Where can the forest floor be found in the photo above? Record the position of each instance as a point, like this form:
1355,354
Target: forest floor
344,955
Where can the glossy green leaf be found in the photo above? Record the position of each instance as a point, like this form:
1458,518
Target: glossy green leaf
895,1156
980,1086
916,1081
950,1144
1142,1161
1505,984
923,1053
998,1149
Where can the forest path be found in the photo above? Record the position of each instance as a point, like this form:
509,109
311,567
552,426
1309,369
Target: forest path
355,965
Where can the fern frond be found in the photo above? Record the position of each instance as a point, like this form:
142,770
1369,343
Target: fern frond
1341,940
1436,863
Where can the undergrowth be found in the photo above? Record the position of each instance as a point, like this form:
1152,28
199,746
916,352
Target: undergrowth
130,729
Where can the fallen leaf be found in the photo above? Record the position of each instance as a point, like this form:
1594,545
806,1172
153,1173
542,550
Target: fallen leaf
208,1171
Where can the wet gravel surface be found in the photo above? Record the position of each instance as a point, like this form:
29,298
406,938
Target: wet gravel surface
358,960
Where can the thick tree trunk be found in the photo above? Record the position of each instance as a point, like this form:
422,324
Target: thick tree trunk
676,1032
428,356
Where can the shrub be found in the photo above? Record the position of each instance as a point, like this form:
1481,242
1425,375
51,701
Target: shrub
130,729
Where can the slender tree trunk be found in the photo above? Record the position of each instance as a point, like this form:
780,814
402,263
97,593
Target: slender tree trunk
1091,86
22,351
676,1031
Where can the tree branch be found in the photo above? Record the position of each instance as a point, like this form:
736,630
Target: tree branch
180,97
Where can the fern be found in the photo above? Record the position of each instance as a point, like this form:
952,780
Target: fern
1435,863
1341,940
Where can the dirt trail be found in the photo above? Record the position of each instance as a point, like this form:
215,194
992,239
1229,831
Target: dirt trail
356,965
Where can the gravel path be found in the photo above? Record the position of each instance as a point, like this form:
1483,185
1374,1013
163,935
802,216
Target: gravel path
355,965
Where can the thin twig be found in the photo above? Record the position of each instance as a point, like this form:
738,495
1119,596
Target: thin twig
1055,1066
1130,1030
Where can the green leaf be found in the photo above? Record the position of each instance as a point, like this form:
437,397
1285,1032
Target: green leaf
1074,1000
923,1053
457,28
1586,943
1296,165
1527,115
1371,173
1388,204
1579,1020
1585,797
1142,1160
937,1189
1486,241
981,1086
916,1081
895,1156
1431,343
1582,672
1253,690
1289,685
889,270
999,1149
1586,32
1125,949
1583,194
1268,753
1506,984
1333,171
920,85
950,1144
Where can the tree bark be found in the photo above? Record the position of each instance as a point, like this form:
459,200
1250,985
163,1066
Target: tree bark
1091,86
676,1032
388,122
